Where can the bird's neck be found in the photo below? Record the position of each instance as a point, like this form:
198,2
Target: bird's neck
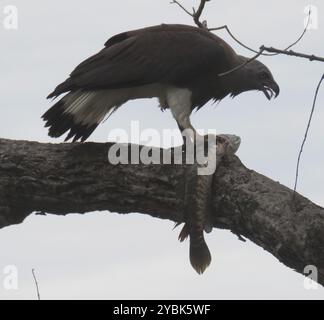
235,82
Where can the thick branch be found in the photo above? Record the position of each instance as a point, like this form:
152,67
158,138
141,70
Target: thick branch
66,178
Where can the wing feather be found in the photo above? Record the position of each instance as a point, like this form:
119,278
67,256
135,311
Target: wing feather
170,54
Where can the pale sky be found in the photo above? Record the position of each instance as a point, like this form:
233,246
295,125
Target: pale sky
111,256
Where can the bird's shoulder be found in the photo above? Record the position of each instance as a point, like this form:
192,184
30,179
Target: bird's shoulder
167,31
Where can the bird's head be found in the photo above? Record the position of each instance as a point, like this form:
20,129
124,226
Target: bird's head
262,79
254,76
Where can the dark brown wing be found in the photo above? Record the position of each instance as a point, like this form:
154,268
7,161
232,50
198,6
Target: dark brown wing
170,54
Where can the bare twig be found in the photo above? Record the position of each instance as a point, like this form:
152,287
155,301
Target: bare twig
277,51
36,284
273,51
241,65
306,133
233,37
255,51
293,53
182,7
225,27
300,37
196,14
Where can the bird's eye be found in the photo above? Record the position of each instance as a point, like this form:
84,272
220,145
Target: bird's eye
264,75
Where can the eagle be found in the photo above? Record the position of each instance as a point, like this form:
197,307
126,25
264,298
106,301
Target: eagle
180,65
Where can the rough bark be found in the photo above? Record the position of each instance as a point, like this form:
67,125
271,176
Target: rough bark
77,178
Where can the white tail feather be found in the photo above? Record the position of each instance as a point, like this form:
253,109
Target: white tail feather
90,107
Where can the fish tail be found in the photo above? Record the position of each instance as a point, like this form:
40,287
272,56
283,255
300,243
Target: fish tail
200,257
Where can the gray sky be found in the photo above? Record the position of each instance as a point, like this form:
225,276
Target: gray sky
110,256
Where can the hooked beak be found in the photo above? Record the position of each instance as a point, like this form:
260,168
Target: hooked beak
271,90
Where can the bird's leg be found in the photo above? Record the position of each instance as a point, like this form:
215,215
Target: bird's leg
186,152
196,148
192,140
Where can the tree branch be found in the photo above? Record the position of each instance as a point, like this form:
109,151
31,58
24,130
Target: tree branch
225,27
69,178
310,57
306,132
196,14
36,284
274,52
